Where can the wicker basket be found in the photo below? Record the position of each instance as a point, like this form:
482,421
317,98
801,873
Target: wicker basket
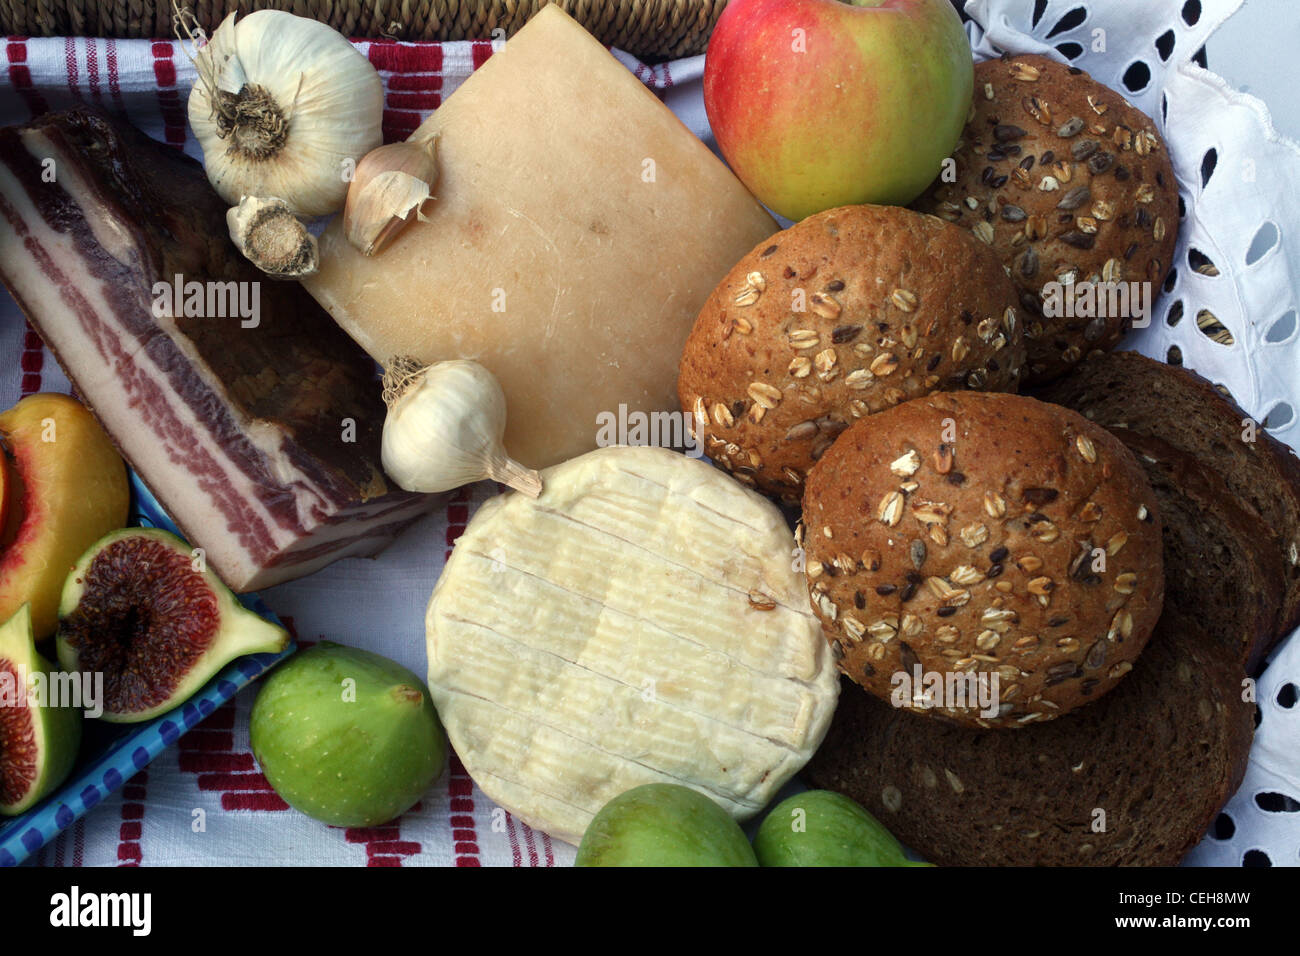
649,29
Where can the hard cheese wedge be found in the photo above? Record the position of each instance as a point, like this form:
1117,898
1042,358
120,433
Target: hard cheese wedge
576,230
640,622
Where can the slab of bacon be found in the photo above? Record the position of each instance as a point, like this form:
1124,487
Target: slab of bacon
247,412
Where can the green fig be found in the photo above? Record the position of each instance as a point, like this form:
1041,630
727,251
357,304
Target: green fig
663,824
822,828
38,741
347,736
141,608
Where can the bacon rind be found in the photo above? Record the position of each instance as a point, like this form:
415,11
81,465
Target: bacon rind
262,442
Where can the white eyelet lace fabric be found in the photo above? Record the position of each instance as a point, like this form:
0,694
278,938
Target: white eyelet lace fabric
1229,308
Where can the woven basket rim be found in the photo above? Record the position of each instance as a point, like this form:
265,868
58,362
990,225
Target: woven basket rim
648,29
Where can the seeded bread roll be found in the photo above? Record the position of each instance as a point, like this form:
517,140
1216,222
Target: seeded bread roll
1180,408
1069,184
848,312
986,534
1133,780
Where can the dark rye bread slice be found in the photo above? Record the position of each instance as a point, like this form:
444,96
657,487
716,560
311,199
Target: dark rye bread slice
1191,415
1220,560
1160,755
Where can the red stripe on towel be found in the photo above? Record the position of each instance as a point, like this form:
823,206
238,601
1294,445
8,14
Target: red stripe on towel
114,87
384,846
480,52
20,76
129,852
530,841
32,362
70,64
516,857
169,98
397,57
92,68
461,790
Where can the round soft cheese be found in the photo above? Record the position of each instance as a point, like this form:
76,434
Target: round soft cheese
644,621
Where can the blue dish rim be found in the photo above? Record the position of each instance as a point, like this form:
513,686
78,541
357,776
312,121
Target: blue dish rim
98,775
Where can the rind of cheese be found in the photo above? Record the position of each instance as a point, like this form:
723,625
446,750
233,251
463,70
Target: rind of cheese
612,633
576,230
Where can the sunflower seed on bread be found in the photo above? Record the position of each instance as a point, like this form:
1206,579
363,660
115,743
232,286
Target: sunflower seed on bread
847,313
1024,548
1071,185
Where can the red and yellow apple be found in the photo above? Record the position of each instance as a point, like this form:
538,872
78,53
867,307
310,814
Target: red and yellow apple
821,103
63,487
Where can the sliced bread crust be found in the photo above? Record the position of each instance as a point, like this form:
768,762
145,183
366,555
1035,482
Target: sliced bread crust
1134,779
1188,413
1220,559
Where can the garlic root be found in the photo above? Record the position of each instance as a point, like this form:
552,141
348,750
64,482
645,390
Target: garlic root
272,238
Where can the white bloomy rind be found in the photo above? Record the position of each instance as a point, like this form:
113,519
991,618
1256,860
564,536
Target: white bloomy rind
612,633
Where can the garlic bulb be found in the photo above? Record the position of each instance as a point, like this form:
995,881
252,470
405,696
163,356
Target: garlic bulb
444,428
284,106
391,185
272,238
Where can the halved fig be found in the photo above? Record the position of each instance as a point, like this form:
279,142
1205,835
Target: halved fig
142,608
38,741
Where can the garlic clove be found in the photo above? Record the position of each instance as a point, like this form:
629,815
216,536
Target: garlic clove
391,185
272,238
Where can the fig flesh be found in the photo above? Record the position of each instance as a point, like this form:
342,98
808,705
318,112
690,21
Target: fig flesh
142,608
38,740
347,736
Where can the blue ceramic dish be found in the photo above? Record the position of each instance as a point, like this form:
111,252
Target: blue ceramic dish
112,753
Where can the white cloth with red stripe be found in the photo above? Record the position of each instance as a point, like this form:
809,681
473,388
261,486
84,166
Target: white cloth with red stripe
203,802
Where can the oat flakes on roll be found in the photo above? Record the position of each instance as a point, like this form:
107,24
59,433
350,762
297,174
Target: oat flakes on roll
984,534
1070,184
848,312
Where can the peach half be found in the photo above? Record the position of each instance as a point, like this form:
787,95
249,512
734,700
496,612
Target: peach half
63,486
